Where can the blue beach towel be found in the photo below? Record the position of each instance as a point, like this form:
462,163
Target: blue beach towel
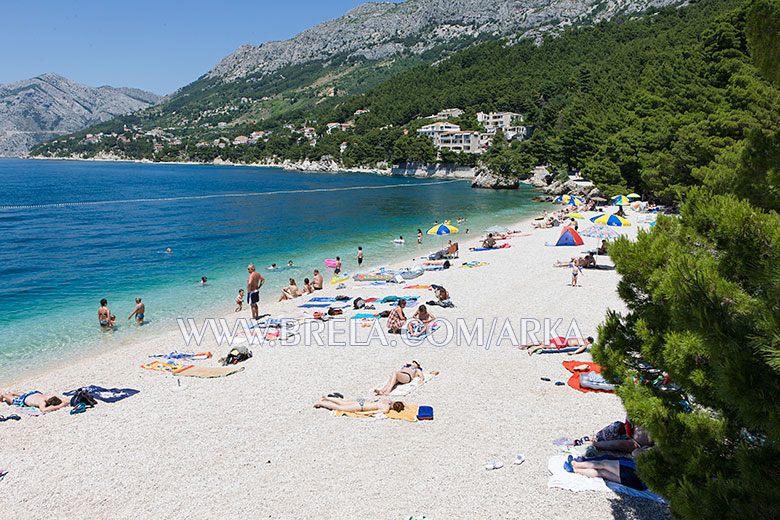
308,305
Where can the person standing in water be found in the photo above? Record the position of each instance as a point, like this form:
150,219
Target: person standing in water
253,285
104,315
360,256
338,265
139,311
419,236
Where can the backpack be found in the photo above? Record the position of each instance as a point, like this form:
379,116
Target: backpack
237,355
82,397
359,303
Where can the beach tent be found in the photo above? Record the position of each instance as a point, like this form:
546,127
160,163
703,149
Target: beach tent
442,229
569,237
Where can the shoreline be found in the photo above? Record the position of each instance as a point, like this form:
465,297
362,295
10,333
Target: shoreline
258,426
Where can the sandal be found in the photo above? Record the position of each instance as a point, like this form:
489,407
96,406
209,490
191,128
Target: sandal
80,408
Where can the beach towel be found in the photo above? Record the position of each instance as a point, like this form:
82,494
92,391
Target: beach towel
473,264
409,413
320,299
406,337
33,411
163,366
408,388
574,482
207,372
502,246
365,316
310,305
190,356
580,368
106,395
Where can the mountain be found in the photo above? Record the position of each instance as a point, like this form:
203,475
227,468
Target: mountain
35,110
300,79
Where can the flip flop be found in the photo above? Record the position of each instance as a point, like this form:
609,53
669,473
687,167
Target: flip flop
544,378
519,459
13,417
559,383
80,408
567,465
2,418
336,395
496,464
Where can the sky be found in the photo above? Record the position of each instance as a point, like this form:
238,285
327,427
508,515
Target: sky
152,45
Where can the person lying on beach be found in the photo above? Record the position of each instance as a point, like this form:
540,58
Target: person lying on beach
637,442
360,405
588,261
402,377
621,471
421,321
35,399
396,319
308,288
139,311
317,281
559,343
291,291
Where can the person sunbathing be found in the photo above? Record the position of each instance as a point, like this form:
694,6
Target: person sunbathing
602,250
406,375
621,471
360,405
291,291
489,242
35,399
421,322
559,343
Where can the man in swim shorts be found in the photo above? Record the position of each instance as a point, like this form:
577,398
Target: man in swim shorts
104,315
253,285
44,402
139,311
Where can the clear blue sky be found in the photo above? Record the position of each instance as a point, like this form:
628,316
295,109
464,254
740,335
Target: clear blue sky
154,45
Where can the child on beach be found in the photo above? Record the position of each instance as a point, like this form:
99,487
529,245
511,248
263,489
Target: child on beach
360,256
419,236
576,269
240,300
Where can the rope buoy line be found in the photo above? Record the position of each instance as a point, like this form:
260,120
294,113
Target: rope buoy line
220,195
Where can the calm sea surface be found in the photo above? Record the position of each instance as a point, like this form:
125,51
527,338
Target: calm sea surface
72,233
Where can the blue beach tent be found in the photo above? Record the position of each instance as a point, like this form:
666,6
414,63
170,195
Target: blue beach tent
569,237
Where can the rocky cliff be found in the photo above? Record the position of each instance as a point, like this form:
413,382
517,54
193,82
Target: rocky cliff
35,110
378,30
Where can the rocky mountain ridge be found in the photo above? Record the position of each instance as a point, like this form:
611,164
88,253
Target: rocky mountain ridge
378,30
38,109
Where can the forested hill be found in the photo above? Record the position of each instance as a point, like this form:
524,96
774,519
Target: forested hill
647,104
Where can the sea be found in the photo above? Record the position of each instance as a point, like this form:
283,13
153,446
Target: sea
73,232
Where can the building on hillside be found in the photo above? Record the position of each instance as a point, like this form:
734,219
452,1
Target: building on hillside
309,133
362,111
241,139
494,120
447,113
343,147
342,127
433,130
460,141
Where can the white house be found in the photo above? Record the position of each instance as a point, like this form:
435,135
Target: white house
435,129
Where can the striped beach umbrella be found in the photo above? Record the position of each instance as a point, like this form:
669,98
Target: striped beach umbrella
569,199
599,231
442,229
575,215
610,220
621,200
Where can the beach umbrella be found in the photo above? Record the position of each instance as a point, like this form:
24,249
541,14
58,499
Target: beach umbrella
569,199
652,224
621,200
442,229
575,215
599,231
497,229
633,196
610,220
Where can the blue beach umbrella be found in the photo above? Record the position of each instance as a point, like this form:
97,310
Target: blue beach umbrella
621,200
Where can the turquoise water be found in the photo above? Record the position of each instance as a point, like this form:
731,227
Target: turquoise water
75,232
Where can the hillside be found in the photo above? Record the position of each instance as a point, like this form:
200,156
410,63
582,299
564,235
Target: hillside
36,110
259,87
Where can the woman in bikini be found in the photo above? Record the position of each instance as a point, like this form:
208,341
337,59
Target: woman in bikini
402,377
360,405
291,291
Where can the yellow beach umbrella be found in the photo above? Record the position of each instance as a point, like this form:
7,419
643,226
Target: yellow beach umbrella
633,196
621,200
575,215
610,220
442,229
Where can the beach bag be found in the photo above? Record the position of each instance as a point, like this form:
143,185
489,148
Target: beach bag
384,314
237,355
359,303
425,413
82,397
447,264
334,312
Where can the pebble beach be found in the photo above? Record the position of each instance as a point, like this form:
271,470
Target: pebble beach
251,445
